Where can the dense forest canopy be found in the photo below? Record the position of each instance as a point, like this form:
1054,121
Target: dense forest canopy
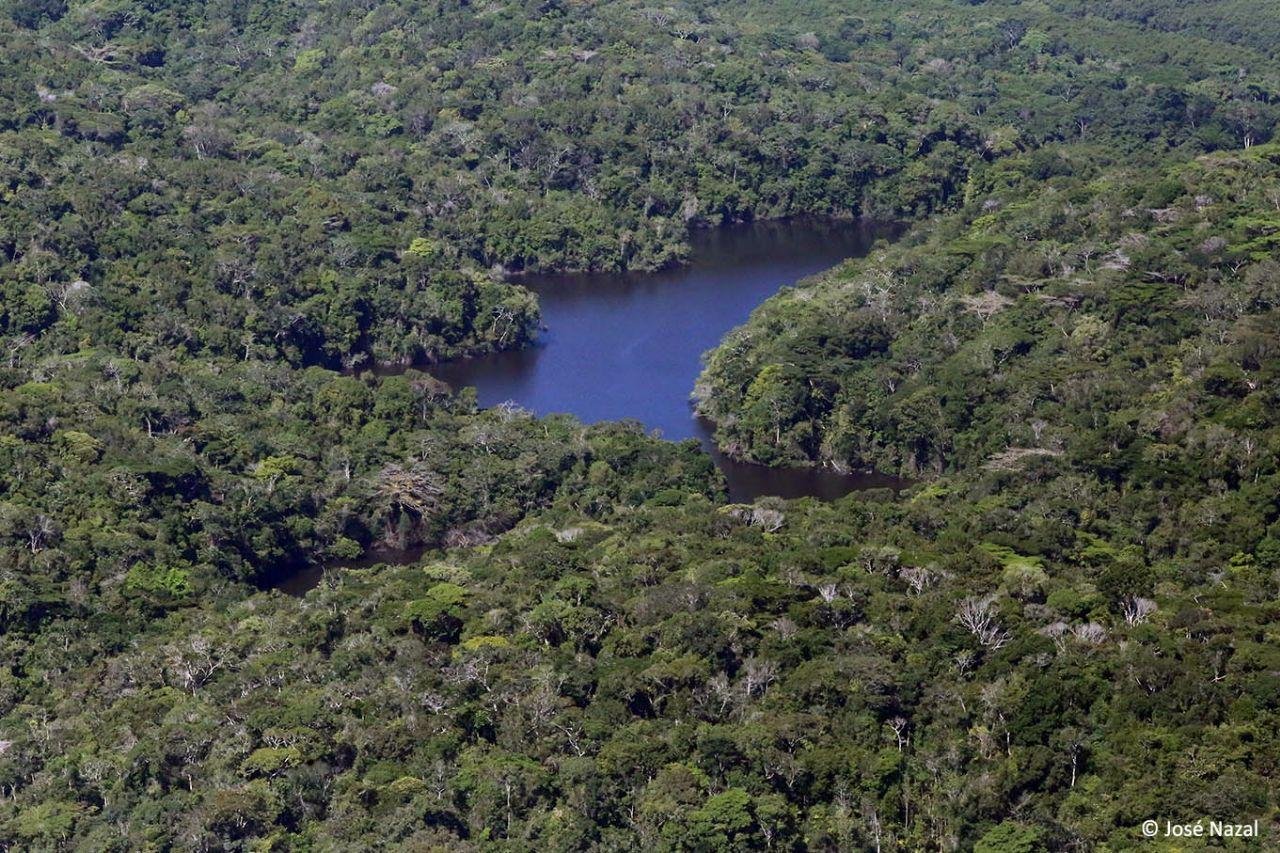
332,183
213,216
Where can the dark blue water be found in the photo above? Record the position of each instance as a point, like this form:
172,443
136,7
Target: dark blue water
630,345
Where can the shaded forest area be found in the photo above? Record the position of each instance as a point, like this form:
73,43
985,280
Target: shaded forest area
212,215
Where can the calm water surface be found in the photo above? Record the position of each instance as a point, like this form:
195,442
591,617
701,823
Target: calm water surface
630,345
302,580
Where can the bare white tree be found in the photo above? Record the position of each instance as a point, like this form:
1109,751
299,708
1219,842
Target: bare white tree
786,628
872,816
1090,633
979,617
770,519
1057,631
899,726
195,661
1137,610
758,674
721,695
918,578
71,295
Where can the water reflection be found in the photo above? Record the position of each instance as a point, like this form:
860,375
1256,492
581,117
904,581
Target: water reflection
630,345
748,481
302,580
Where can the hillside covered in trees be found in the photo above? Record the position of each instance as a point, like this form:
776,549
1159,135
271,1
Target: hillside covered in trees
331,183
213,216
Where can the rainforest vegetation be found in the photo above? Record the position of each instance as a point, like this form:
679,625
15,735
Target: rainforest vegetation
215,216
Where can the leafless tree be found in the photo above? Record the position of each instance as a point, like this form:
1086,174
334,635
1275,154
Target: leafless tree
412,491
1090,633
979,617
506,318
1057,631
877,291
719,693
899,726
785,627
918,578
1073,741
770,519
207,139
882,559
1013,31
40,531
72,295
1137,610
195,661
758,674
986,305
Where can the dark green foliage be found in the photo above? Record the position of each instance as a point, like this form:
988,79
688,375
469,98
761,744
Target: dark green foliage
214,216
329,184
666,677
1053,314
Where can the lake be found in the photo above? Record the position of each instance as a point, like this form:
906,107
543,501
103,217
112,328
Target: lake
630,345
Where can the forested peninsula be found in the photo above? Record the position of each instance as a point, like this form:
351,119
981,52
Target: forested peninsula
236,237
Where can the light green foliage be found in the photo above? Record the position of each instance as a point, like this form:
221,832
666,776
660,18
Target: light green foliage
48,823
268,761
425,248
308,60
214,217
306,183
78,445
273,468
721,687
997,354
171,581
1010,837
444,600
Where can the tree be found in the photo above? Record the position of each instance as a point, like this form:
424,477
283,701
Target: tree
405,497
978,616
1011,837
